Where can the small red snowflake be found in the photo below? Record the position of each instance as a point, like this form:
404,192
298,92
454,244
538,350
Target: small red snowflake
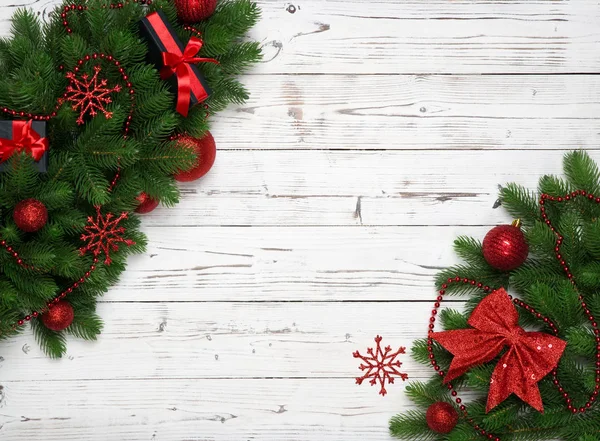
104,235
89,94
380,365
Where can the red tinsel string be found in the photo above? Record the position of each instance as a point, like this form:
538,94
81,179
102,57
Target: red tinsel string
559,241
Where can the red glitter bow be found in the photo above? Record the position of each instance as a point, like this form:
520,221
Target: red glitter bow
179,64
529,358
24,138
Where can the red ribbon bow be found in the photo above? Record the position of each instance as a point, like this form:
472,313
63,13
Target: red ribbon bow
529,358
179,63
24,139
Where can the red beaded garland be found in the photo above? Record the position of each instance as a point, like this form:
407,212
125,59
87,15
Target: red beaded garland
57,299
80,8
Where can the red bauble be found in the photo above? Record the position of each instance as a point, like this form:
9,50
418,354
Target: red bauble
441,417
147,204
59,316
30,215
505,247
192,11
205,149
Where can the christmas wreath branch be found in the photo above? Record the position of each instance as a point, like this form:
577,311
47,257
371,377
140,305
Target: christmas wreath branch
104,108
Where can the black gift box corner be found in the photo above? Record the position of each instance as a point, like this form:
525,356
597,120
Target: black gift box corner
156,48
6,132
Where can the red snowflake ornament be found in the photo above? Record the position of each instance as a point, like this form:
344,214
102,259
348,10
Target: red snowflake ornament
104,234
381,365
89,95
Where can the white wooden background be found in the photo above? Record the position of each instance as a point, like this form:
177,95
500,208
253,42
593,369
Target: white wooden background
377,131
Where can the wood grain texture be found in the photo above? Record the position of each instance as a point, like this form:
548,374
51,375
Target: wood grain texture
414,112
342,188
289,264
227,340
420,36
197,410
376,133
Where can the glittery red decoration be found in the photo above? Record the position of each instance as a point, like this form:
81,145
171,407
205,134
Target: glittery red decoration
104,234
193,11
505,247
147,204
441,417
381,365
30,215
530,357
205,149
89,95
59,316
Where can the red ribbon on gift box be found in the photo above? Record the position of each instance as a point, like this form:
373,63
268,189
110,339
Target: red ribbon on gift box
24,139
179,63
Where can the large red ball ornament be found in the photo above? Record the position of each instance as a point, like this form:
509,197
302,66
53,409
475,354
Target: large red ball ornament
505,247
30,215
205,149
146,203
441,417
193,11
59,316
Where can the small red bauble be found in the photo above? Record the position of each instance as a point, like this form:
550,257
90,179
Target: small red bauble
59,316
205,149
147,204
192,11
505,247
30,215
441,417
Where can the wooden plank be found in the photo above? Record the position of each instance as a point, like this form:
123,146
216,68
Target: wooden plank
193,409
289,264
419,36
341,188
414,112
226,340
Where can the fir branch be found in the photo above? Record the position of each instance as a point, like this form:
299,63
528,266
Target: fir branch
411,426
53,343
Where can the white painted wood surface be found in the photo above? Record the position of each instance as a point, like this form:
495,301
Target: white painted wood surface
376,133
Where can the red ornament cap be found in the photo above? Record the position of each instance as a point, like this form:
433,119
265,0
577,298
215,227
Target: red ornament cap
441,417
206,151
30,215
59,316
505,247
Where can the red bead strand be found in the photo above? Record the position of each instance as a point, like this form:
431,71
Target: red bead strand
58,298
79,8
432,359
16,256
559,242
131,91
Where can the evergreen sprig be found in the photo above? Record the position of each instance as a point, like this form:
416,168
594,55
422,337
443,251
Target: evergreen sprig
541,282
83,159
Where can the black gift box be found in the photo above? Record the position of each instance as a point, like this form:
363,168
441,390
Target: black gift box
158,46
6,132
